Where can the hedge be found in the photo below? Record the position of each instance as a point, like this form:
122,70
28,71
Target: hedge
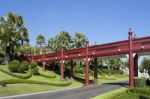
14,81
14,65
35,71
47,74
26,76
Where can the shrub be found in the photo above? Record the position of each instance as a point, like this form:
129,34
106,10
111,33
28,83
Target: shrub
144,91
13,66
139,82
35,71
66,79
14,81
47,74
91,72
33,65
24,66
78,69
121,72
2,60
26,76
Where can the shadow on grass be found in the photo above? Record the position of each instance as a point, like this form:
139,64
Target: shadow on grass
82,80
123,83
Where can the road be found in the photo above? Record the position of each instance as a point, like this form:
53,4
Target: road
77,93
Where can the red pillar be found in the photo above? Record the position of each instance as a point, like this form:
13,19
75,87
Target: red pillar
136,65
32,59
62,65
95,71
43,63
71,69
86,66
131,68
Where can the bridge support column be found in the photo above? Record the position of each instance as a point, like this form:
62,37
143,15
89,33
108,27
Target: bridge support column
87,66
136,65
62,65
53,64
43,63
95,71
62,70
131,67
71,69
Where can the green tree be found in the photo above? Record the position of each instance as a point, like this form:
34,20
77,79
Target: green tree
40,40
146,64
52,44
80,40
12,33
63,39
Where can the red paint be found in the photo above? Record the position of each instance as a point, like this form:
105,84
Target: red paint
43,63
62,65
116,48
86,66
95,71
131,69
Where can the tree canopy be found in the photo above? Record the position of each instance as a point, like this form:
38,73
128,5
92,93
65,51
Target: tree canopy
13,33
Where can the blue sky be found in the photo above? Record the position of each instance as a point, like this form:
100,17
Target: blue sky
102,21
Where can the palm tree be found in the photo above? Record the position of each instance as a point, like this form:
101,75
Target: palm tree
40,40
63,39
11,29
80,40
51,44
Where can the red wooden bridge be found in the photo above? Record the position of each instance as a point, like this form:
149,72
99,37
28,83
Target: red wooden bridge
130,46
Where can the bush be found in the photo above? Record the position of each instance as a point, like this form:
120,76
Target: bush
24,66
13,66
26,76
2,60
33,65
35,71
144,91
78,69
121,72
47,74
14,81
139,82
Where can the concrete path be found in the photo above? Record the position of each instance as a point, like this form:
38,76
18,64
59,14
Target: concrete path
77,93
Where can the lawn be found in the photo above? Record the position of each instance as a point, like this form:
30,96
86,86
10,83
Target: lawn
126,93
13,89
136,93
111,94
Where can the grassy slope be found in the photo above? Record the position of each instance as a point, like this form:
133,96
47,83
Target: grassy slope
13,89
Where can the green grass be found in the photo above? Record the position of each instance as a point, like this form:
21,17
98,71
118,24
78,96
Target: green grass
136,93
111,94
112,78
126,93
13,89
